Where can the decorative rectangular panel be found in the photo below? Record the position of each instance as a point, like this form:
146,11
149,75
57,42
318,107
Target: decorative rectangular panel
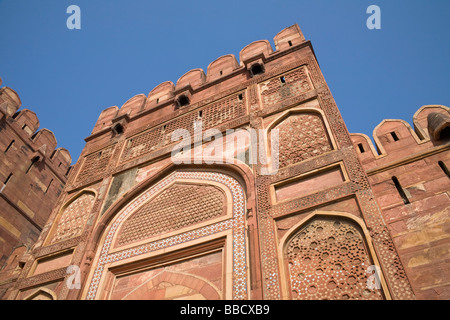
285,86
309,184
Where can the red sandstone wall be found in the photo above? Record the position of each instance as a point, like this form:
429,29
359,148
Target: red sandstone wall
32,176
418,220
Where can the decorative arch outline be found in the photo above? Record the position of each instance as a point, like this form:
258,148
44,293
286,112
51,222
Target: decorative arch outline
105,256
187,280
299,110
64,207
44,291
292,112
283,242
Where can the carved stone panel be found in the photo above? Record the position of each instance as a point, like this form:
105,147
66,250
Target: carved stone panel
327,259
301,136
178,206
73,218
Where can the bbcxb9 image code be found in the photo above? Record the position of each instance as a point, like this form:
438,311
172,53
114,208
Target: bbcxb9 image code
246,309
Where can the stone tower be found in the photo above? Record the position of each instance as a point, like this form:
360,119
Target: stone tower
241,183
33,173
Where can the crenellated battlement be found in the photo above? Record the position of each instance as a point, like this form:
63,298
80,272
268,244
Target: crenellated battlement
396,139
33,173
223,73
21,135
25,124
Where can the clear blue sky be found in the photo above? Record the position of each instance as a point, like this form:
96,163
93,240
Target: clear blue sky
126,48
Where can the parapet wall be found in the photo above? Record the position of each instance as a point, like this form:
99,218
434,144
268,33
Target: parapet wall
222,73
40,140
396,139
409,175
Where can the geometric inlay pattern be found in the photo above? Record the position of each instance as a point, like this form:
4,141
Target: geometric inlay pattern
74,217
176,207
328,260
302,136
236,224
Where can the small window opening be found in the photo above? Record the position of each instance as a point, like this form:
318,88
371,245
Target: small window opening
221,72
15,115
157,101
290,43
394,136
400,190
33,161
240,97
283,79
129,143
9,178
21,264
24,127
9,146
118,129
68,171
200,113
257,69
444,168
53,154
48,186
183,101
99,154
445,134
361,148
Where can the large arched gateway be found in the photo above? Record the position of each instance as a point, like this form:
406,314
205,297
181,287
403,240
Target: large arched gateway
183,236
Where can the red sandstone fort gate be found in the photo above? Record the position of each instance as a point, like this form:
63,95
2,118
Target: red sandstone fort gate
335,209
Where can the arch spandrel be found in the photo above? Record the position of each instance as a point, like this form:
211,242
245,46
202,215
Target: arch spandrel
178,206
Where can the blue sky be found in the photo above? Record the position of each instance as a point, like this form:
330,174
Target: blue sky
67,77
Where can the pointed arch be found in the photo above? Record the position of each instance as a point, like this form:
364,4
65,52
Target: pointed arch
72,217
189,287
314,138
238,171
106,255
329,254
42,294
